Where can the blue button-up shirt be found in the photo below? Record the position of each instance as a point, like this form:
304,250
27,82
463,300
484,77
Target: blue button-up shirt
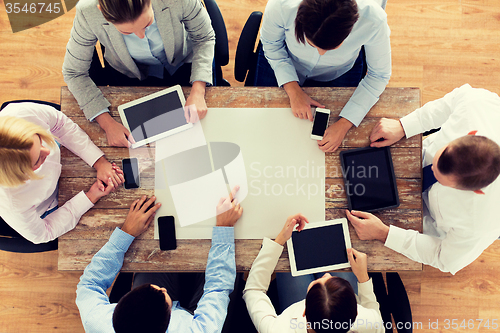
150,51
294,61
97,313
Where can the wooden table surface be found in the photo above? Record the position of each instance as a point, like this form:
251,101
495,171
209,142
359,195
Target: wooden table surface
77,247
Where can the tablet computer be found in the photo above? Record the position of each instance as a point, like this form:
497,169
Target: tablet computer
370,184
155,116
319,247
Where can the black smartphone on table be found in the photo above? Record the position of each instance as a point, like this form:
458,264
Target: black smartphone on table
130,167
166,229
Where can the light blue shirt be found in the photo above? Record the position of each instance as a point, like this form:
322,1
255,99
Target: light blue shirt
294,61
148,51
97,313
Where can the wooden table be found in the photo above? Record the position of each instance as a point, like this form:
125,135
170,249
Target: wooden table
77,247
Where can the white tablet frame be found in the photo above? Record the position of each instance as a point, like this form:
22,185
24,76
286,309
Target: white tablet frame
180,94
291,254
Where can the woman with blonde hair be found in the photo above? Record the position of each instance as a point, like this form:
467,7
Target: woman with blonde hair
30,168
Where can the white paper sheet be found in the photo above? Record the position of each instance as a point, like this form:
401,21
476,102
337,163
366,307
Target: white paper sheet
285,171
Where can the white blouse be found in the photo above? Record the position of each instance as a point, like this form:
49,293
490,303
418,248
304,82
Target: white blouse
22,206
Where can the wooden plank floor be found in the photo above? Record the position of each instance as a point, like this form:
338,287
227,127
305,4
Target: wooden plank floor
437,45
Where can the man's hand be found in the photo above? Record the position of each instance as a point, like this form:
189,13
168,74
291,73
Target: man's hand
116,133
388,131
286,232
334,135
368,226
196,107
359,265
228,210
300,102
138,219
106,170
97,191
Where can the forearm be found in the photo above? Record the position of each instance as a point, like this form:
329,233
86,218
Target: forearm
219,282
101,272
77,60
433,114
448,255
198,26
258,303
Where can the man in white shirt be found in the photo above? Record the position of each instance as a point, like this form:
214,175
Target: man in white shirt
460,219
319,43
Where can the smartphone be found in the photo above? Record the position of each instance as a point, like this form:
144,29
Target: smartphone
130,167
320,123
166,229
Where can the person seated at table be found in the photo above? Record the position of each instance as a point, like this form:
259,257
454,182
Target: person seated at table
324,304
30,166
147,43
151,307
461,187
319,43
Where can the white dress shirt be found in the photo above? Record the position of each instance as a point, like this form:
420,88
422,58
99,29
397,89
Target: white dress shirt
264,316
22,206
458,225
294,61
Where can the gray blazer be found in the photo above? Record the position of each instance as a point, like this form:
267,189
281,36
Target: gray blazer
185,30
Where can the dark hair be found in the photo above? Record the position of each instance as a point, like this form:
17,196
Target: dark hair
122,11
326,23
473,160
144,309
334,301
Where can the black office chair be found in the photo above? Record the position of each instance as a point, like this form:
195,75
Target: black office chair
57,106
393,301
11,240
221,57
245,60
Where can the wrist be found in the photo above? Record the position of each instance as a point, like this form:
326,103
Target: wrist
344,124
100,161
280,240
104,120
292,89
198,88
384,233
363,278
91,197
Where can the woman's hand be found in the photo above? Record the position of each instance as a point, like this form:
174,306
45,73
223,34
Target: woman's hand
291,222
106,170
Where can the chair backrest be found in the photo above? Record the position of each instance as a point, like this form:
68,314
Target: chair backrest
221,57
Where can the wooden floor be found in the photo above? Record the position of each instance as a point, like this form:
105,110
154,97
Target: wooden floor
437,45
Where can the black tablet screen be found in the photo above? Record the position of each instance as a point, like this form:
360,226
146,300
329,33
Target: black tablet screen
318,247
369,179
156,116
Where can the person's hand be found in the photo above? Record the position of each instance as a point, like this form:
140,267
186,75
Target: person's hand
359,264
368,226
300,102
95,192
138,219
106,170
334,135
228,210
386,132
291,222
116,133
196,107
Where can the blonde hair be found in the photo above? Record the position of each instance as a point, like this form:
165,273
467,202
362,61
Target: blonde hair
16,140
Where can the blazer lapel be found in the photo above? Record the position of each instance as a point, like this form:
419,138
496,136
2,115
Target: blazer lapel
164,23
116,39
